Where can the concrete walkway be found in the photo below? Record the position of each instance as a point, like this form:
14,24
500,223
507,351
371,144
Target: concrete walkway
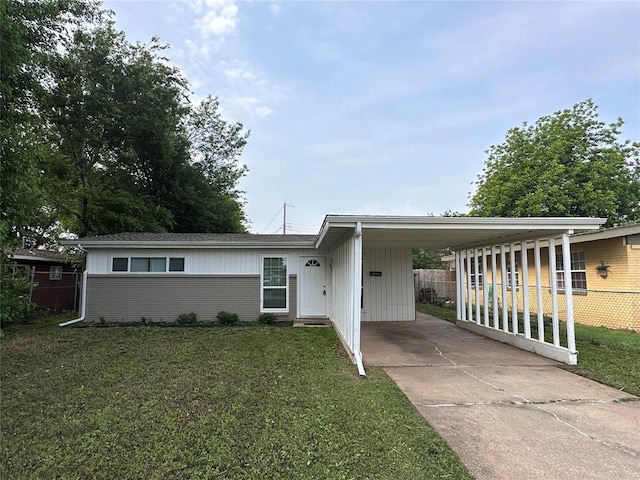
506,412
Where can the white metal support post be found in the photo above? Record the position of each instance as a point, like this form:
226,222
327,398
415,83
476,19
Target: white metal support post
553,275
476,284
459,306
494,291
568,293
468,290
355,299
524,261
485,288
514,288
536,259
503,272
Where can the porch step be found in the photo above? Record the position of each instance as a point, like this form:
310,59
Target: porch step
312,322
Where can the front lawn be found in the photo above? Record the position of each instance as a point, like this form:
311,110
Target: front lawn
608,356
225,402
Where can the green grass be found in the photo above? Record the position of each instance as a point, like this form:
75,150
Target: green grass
225,402
444,313
611,357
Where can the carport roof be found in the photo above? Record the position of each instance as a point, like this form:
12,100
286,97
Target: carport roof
456,233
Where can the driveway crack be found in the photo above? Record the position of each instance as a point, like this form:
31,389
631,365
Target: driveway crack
585,434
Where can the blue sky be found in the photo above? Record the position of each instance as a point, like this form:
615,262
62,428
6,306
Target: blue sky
380,107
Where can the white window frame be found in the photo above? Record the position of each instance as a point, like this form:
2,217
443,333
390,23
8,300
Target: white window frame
55,272
477,277
263,287
562,271
509,275
167,261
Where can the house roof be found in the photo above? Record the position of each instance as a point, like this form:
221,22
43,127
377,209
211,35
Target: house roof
169,240
456,233
614,232
38,255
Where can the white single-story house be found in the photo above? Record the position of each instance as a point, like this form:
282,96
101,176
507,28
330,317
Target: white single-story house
356,269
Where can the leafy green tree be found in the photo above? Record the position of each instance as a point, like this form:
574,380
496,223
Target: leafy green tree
132,154
215,150
114,110
567,164
430,259
29,34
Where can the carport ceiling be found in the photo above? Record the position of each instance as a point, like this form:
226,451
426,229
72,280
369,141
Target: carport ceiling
456,233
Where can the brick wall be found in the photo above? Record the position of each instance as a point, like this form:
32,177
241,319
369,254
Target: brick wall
128,298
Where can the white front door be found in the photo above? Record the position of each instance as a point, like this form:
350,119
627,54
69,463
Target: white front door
313,287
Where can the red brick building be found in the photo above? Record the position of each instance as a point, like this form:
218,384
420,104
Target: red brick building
55,284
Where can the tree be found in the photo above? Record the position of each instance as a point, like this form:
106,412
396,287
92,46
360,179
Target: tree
431,259
215,149
567,164
132,154
114,110
29,34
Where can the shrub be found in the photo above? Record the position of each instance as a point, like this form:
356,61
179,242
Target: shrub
14,294
227,318
187,318
267,318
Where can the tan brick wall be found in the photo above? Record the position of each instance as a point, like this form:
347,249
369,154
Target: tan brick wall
612,302
128,298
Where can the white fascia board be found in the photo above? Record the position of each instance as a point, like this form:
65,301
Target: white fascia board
190,245
470,223
38,259
419,222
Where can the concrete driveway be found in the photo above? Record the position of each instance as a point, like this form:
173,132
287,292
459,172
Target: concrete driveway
506,412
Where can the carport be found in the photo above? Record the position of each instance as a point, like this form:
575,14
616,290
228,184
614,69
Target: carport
371,279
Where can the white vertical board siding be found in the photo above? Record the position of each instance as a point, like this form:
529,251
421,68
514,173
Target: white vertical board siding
202,261
341,293
389,297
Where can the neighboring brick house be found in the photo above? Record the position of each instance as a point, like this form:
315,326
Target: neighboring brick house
605,273
606,266
55,284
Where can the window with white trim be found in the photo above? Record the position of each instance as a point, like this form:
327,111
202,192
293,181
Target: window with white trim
55,272
147,264
578,271
275,285
509,275
476,278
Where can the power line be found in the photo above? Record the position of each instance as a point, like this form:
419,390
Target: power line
274,217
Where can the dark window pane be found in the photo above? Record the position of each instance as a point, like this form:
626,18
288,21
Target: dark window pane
176,264
120,264
274,298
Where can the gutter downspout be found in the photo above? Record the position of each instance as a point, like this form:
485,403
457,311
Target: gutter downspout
83,307
357,269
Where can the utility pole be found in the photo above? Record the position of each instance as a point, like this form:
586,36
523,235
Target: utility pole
284,220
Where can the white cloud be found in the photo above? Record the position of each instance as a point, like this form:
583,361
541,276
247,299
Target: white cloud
234,73
275,9
246,106
263,111
217,17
